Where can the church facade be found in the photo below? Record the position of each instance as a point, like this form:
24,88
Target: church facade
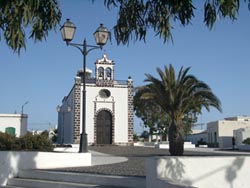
109,108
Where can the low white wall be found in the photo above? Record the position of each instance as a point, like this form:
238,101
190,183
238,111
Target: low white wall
12,162
144,144
166,145
202,172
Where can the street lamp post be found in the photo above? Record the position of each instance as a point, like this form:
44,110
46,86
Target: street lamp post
23,107
101,36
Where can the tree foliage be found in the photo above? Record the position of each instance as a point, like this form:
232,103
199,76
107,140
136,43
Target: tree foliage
17,17
246,141
178,96
136,17
150,113
189,121
157,119
22,19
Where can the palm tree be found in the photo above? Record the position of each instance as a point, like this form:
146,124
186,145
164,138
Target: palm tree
178,96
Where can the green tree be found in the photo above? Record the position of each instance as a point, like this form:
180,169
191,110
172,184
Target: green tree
155,118
150,113
17,17
178,95
135,137
145,135
189,121
136,17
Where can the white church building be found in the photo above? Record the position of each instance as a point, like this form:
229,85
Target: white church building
109,108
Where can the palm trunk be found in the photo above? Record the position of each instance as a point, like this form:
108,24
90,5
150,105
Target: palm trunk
176,142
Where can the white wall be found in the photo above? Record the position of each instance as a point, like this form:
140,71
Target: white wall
17,121
12,162
121,115
202,172
120,98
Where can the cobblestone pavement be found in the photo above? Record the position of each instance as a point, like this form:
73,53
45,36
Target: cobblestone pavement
136,164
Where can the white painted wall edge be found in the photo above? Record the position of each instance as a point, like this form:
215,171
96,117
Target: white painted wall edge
11,162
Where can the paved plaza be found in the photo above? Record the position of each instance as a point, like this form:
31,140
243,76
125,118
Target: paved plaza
131,160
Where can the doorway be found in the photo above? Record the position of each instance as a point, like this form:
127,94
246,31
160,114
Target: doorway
104,127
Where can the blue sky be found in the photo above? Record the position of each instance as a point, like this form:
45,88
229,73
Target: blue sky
44,73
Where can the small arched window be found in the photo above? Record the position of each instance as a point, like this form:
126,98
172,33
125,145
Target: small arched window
108,73
100,73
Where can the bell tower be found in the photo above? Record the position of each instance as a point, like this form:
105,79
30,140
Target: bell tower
104,72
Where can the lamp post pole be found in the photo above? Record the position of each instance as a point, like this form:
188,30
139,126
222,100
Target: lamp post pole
84,139
23,107
101,37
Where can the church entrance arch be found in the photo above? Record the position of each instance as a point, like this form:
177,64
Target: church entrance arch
104,127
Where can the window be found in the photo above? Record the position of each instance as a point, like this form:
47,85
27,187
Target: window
100,73
10,131
104,93
108,73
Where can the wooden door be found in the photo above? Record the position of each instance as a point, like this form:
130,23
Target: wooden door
104,127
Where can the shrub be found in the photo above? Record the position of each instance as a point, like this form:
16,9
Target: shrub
246,141
135,138
54,136
38,142
29,142
6,141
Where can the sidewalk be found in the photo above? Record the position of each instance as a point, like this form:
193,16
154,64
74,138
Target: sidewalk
104,159
98,158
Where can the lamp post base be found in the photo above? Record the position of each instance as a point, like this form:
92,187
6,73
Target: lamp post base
83,143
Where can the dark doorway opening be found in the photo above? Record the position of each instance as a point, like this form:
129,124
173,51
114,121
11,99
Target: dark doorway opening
104,127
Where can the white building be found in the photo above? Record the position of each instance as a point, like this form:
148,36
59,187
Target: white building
14,124
197,136
109,108
240,135
220,133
